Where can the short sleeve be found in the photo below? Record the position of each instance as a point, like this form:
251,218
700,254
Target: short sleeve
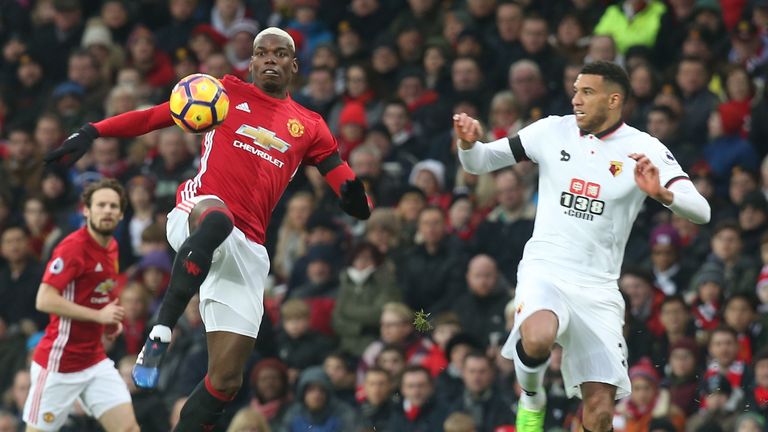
532,137
322,146
670,170
64,267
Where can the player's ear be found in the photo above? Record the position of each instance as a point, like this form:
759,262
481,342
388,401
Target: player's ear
295,65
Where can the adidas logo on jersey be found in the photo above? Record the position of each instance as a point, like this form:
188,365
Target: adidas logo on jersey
243,107
98,268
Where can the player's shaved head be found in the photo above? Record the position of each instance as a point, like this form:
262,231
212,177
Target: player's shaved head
276,32
613,75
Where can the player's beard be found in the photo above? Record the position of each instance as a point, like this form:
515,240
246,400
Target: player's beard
101,231
596,122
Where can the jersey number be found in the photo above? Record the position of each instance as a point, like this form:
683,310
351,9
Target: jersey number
582,203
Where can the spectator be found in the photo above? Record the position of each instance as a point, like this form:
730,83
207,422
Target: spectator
44,234
644,298
449,384
740,314
753,221
632,22
487,406
446,325
55,40
715,394
367,284
316,408
22,166
724,360
176,33
677,326
682,378
270,389
481,307
291,234
508,226
240,47
19,280
248,420
708,285
671,273
739,270
300,345
366,161
698,102
320,289
340,368
419,410
459,422
376,406
135,299
647,401
430,273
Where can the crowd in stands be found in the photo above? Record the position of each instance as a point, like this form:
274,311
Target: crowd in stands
337,350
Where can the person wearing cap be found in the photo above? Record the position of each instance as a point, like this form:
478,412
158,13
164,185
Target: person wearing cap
671,274
648,401
316,408
271,395
229,203
714,395
239,48
748,47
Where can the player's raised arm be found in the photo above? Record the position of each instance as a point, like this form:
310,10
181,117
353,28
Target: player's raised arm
477,157
125,125
679,195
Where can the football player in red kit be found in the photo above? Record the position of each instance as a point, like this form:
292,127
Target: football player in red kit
78,291
221,215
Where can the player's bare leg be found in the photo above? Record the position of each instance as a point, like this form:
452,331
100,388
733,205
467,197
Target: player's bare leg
227,355
537,336
210,222
598,406
119,419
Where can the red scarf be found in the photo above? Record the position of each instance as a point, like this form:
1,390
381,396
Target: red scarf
761,397
411,411
269,409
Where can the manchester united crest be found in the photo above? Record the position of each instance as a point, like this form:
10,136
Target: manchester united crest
616,168
49,417
295,128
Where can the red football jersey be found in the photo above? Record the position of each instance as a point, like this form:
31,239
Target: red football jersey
249,159
85,273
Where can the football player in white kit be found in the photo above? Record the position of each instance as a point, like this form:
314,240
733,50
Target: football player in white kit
594,174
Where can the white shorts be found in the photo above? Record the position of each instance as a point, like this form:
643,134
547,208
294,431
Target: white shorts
590,328
232,296
52,395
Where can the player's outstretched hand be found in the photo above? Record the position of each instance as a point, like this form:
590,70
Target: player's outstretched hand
646,175
74,146
112,313
467,129
354,200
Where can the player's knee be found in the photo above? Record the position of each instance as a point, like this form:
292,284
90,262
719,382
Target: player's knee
537,344
213,227
227,382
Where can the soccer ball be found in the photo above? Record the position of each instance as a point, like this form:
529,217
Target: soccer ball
199,103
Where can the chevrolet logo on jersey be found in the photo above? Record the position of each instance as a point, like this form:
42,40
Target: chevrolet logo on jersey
106,286
263,138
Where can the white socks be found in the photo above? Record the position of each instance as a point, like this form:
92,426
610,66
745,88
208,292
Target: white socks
531,380
161,332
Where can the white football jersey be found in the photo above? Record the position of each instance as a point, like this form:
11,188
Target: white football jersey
588,198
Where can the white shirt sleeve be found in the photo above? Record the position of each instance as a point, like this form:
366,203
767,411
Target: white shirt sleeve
688,202
486,157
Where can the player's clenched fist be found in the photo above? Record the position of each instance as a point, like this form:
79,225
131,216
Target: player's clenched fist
468,130
75,145
112,313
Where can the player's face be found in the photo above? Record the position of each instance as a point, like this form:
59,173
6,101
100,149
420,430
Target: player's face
104,213
273,65
592,102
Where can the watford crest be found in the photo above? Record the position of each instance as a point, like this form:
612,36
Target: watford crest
616,168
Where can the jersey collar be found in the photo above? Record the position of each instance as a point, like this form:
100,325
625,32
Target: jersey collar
605,133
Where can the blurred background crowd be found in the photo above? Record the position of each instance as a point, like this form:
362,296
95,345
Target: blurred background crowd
337,349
